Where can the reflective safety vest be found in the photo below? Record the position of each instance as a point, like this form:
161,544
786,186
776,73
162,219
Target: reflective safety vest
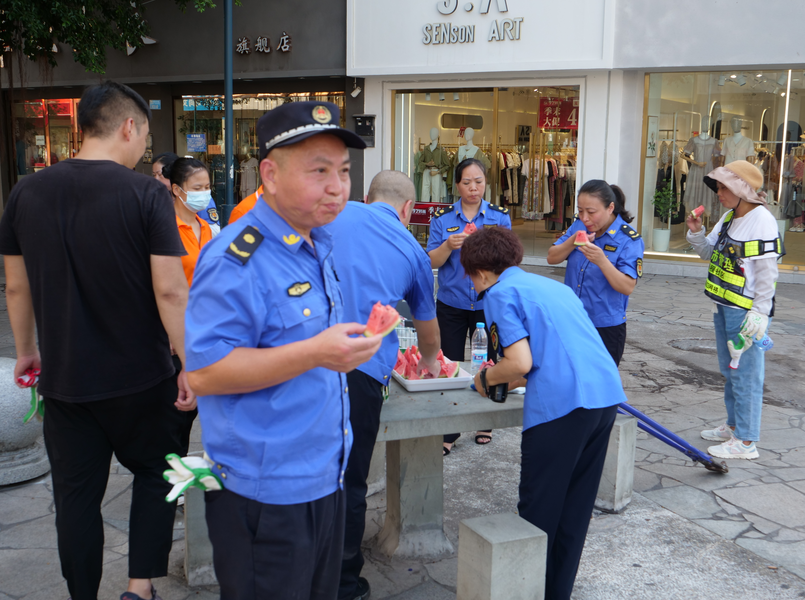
725,276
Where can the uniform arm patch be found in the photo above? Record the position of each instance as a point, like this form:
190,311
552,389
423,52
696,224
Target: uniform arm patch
639,267
213,214
243,246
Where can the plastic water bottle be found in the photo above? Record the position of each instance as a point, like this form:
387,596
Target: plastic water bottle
479,348
765,344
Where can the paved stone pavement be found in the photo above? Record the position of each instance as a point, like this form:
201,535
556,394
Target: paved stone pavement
688,533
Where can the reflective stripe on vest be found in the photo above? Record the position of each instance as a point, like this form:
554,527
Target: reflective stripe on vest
725,277
728,296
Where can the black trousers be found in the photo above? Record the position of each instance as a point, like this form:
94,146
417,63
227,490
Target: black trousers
455,324
557,493
262,551
141,429
614,339
365,403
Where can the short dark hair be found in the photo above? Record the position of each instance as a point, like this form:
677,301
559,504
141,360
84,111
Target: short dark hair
468,162
608,194
180,170
165,159
103,107
491,249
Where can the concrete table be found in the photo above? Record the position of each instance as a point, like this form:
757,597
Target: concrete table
412,425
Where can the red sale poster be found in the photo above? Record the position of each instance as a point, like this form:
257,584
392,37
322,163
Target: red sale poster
555,113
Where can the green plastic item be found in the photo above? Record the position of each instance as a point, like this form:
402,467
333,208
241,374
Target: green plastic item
194,471
37,407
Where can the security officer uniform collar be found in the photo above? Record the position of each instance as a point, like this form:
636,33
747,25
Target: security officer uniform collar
296,121
380,205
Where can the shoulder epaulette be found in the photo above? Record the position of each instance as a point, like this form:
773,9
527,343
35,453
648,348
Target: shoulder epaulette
630,232
505,211
243,246
443,211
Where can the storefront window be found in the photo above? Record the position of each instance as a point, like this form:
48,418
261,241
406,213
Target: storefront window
699,121
200,133
45,132
527,138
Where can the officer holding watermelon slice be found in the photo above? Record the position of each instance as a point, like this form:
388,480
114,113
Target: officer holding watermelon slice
458,306
603,270
268,352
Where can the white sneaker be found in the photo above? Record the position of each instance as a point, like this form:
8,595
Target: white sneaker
734,448
722,433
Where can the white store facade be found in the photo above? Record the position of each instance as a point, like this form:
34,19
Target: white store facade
553,94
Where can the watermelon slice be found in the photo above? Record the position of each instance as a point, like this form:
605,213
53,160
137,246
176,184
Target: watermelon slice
697,213
382,321
581,239
449,369
485,364
470,228
408,361
401,362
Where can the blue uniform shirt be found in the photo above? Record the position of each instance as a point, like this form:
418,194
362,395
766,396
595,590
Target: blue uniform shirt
455,288
378,260
572,368
624,248
289,443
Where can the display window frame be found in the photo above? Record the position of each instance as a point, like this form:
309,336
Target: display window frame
716,127
391,88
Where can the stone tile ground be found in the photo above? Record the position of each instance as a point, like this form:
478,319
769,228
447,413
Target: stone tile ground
688,533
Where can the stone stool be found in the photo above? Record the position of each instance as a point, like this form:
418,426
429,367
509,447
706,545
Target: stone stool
501,557
22,446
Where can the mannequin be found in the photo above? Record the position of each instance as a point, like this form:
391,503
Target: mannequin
470,150
433,165
702,152
248,176
738,147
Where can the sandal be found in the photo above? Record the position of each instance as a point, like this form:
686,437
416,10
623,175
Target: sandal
445,451
482,439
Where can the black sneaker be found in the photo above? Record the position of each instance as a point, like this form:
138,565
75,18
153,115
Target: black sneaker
362,591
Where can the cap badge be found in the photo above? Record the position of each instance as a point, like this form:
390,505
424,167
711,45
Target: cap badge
321,114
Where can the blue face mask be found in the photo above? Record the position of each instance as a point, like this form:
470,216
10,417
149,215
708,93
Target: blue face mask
197,201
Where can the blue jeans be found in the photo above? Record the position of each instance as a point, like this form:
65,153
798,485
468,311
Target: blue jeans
743,391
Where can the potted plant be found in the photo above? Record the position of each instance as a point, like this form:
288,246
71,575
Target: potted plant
665,207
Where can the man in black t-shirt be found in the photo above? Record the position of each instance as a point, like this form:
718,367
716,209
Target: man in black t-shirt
92,259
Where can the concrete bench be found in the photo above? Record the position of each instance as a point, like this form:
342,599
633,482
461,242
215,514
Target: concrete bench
412,426
501,557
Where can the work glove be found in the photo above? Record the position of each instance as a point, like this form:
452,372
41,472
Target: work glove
190,471
754,325
736,348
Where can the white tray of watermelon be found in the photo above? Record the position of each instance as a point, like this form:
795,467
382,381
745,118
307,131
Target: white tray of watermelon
451,376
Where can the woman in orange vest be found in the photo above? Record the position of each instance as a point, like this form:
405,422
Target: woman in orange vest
190,187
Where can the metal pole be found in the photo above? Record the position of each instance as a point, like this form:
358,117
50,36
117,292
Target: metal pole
228,116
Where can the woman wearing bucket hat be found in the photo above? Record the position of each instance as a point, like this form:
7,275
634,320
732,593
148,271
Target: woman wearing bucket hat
743,249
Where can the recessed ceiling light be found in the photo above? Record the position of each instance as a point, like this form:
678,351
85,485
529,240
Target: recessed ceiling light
760,75
733,76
